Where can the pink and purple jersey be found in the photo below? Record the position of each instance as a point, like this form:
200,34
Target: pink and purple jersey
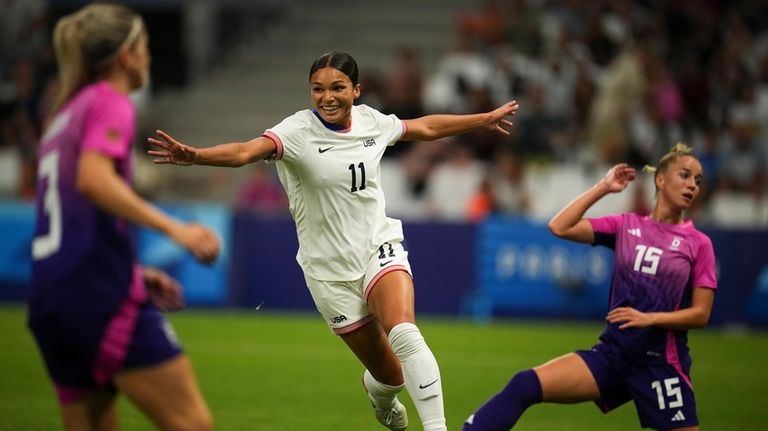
656,266
84,258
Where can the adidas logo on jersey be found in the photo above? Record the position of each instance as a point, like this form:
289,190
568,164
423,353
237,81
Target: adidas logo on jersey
635,232
679,416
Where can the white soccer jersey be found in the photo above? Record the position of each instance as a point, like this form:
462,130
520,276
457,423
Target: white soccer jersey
333,182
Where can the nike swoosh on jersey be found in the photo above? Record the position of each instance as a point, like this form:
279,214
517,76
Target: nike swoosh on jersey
322,150
385,263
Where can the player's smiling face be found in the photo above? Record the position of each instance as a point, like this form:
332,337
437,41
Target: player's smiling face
333,95
680,184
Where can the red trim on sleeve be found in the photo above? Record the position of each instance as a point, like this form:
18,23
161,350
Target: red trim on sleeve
278,144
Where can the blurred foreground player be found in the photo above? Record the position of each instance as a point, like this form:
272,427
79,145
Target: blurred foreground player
93,310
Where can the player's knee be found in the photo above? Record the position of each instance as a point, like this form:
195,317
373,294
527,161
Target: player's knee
406,340
198,420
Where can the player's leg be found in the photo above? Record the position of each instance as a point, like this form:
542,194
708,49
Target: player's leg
391,299
168,394
95,411
343,307
566,379
67,343
383,377
371,346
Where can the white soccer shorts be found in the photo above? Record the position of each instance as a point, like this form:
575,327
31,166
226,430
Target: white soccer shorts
344,304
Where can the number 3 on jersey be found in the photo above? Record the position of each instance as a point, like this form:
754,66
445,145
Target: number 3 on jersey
647,259
45,245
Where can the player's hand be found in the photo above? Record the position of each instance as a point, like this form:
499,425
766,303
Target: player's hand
172,152
164,291
618,178
498,121
198,240
628,317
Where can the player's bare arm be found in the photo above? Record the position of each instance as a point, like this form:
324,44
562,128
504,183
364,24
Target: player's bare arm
570,223
234,154
431,127
695,316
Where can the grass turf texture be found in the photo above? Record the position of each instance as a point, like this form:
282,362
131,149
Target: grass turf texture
284,372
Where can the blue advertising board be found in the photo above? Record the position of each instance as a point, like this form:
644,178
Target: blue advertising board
202,284
507,267
524,270
16,229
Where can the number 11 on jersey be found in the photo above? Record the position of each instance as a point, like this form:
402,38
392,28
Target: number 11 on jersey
353,170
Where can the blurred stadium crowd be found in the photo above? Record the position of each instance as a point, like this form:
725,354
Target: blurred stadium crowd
598,82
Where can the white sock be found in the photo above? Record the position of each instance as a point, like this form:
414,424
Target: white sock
382,395
421,374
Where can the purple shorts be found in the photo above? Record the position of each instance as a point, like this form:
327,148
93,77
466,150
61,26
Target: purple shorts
662,395
82,352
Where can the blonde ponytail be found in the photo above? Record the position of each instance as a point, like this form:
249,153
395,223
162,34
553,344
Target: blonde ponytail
87,43
69,56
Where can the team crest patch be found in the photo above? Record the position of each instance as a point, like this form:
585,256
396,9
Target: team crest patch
675,243
113,135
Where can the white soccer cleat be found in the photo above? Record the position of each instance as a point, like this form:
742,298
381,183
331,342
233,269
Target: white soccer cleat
394,418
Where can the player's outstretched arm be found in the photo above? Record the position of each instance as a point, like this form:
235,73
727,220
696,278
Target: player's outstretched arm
431,127
235,154
98,180
570,223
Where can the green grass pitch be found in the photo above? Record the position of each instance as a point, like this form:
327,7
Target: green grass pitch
285,372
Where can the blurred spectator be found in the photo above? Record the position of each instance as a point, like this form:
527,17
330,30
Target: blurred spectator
655,123
453,183
373,87
23,81
602,48
22,30
537,129
640,203
404,85
761,103
487,26
619,88
481,203
705,147
742,167
405,179
261,192
402,90
482,142
583,94
459,73
509,192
